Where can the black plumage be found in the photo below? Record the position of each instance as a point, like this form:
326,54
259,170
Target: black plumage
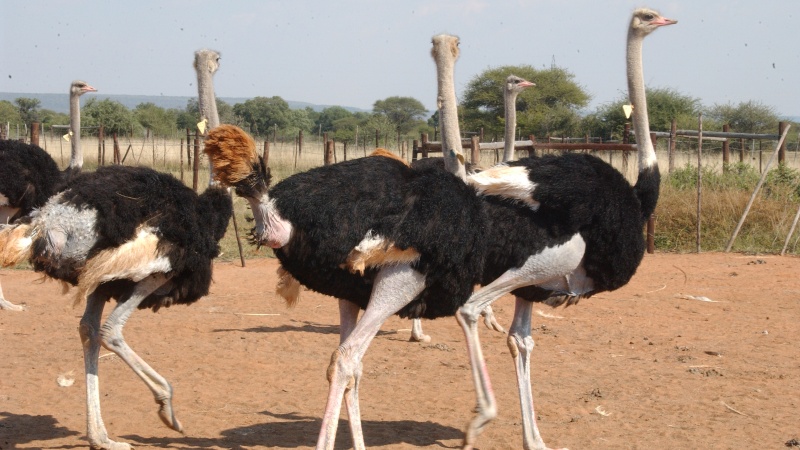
332,208
28,176
127,198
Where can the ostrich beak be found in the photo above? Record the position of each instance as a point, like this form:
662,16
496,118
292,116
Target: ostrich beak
88,88
662,21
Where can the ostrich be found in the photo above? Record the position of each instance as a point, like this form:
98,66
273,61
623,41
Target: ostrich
132,234
128,233
29,175
372,232
514,85
206,64
77,88
579,233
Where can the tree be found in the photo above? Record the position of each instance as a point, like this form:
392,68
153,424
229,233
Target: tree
9,113
113,115
159,121
552,107
329,116
404,112
384,126
28,109
747,117
262,114
663,105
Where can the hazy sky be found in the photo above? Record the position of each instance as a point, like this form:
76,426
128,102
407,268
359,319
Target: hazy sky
354,52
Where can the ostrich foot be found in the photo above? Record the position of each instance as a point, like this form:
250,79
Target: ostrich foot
416,332
491,321
6,305
166,413
108,444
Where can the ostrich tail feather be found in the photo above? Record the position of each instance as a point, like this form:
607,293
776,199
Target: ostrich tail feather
15,244
232,153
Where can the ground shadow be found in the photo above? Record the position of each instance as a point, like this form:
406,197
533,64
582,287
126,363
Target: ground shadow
293,431
297,326
17,429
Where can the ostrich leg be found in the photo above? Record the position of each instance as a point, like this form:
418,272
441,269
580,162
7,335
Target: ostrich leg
7,305
488,319
6,213
348,318
110,336
520,343
112,339
394,288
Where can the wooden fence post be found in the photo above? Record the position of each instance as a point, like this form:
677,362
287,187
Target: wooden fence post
35,133
300,144
699,175
626,139
101,148
118,158
782,152
726,149
196,166
181,154
475,154
188,148
328,153
424,138
266,153
673,135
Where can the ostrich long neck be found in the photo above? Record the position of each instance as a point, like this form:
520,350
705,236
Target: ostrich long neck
636,92
206,100
448,115
510,99
76,159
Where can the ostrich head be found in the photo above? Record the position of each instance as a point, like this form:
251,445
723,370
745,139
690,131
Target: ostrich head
206,60
645,21
79,88
515,84
233,154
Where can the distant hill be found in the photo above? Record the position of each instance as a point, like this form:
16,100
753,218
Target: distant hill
60,102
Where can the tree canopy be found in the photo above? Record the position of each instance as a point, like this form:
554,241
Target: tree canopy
405,113
262,114
746,117
663,105
550,108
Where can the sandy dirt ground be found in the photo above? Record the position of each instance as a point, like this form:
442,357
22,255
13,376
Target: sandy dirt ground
644,367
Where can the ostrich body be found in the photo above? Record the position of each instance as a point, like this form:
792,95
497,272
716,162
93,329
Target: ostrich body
372,232
29,175
580,234
514,85
131,234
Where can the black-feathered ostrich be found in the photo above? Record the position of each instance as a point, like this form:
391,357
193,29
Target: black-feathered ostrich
29,175
372,232
131,234
580,233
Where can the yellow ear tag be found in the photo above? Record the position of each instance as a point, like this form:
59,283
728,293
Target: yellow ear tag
201,126
628,110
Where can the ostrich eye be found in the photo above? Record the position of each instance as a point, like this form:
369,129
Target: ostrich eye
649,17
